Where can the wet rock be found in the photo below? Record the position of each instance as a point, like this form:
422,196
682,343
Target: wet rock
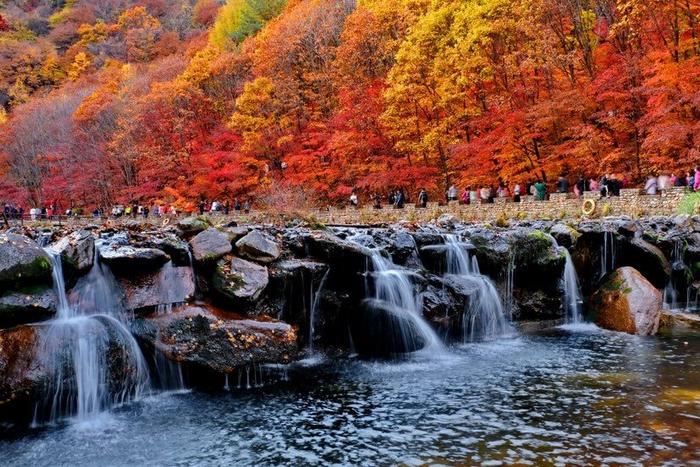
128,258
169,285
198,337
258,247
402,248
22,262
447,221
77,252
177,249
627,302
565,235
378,330
210,245
333,250
193,225
492,251
539,264
22,380
30,305
240,282
647,259
677,320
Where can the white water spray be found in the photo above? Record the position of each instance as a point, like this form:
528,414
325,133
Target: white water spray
484,318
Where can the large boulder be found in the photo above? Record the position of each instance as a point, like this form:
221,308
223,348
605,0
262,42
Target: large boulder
22,262
403,250
258,247
77,252
239,282
210,245
647,259
564,234
627,302
193,225
129,258
195,336
29,305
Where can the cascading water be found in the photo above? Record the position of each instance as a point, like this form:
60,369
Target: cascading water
484,318
95,360
394,292
607,253
315,301
670,293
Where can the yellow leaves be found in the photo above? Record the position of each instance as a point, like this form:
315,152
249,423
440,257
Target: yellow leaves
80,64
199,68
3,115
137,18
92,33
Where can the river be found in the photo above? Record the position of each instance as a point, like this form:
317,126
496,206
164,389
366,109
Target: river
582,396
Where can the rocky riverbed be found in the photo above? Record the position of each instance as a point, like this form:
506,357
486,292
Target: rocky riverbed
205,302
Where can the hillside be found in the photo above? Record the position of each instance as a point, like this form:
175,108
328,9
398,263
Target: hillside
302,101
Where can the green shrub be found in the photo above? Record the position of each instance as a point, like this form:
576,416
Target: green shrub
690,204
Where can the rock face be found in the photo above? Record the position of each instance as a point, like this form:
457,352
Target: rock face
170,285
77,252
128,258
648,260
210,245
22,262
240,282
258,247
196,336
177,249
627,302
193,225
27,306
22,380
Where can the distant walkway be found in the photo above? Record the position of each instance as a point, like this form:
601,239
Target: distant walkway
631,202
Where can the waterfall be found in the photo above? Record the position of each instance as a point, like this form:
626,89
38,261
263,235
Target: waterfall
670,293
572,291
510,281
313,312
95,360
484,318
607,254
394,292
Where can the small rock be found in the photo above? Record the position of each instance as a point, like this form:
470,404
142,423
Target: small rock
77,252
128,257
193,225
240,281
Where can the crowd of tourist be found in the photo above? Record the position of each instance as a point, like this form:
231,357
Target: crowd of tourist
607,186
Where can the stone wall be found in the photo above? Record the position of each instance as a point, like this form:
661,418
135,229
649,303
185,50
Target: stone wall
631,202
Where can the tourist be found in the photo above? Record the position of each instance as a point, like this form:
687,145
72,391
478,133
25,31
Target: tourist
237,205
400,199
562,184
593,185
246,206
227,207
540,190
696,185
673,179
145,212
353,199
202,206
516,193
690,182
502,191
651,186
473,195
391,198
464,196
604,188
377,201
452,193
681,180
580,186
485,194
423,198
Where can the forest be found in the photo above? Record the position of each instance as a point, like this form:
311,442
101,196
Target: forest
303,101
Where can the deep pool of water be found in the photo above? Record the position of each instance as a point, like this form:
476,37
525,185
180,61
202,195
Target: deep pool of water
581,396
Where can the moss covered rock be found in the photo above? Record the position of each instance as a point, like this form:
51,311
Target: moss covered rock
22,262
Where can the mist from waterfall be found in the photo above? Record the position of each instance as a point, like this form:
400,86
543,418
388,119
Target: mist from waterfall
484,318
84,344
